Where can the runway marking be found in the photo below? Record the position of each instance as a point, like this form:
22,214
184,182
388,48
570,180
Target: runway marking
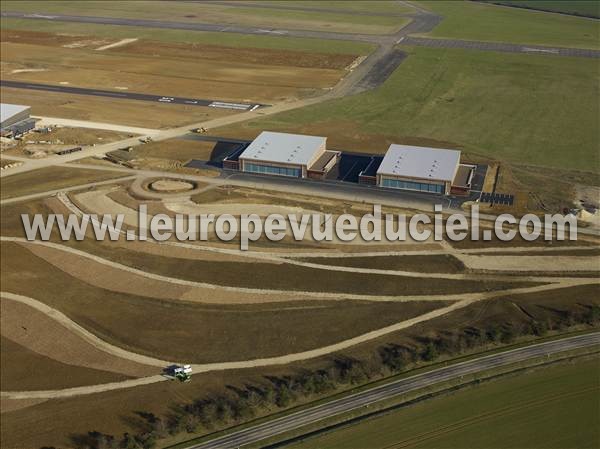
132,95
541,50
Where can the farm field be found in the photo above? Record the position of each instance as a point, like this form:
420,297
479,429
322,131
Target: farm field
51,178
224,14
456,99
552,407
484,22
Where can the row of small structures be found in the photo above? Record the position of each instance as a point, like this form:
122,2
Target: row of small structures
405,167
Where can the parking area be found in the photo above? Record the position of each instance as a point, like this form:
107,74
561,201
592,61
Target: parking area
351,164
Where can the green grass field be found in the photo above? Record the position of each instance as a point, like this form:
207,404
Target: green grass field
194,37
555,407
218,14
378,6
587,8
539,110
479,21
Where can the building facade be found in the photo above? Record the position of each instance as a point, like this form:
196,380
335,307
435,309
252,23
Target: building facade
15,119
290,155
419,169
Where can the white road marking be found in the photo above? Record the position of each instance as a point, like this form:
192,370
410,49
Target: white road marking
541,50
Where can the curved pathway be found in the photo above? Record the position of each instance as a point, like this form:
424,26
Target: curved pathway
203,368
550,282
291,258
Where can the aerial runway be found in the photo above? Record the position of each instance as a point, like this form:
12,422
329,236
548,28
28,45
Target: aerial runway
133,96
499,46
365,398
422,22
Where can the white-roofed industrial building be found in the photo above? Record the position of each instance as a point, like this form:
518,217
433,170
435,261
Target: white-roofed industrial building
15,119
292,155
422,169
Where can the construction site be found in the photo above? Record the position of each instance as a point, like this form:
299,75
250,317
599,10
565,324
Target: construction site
294,108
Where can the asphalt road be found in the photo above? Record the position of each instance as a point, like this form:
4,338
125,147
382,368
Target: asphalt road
422,22
132,96
197,26
501,47
365,398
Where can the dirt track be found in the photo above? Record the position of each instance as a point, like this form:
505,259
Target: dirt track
201,368
462,300
556,281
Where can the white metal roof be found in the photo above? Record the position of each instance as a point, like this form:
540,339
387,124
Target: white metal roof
420,162
9,110
283,148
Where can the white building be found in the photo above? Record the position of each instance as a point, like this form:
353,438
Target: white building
422,169
15,118
292,155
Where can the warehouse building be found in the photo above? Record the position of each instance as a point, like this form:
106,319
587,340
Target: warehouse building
15,119
423,169
291,155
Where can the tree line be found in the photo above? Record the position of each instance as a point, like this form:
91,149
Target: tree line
238,405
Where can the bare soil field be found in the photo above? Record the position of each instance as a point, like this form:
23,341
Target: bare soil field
24,369
50,178
115,280
11,405
181,150
68,136
518,241
198,333
146,67
10,216
248,55
79,136
290,277
424,264
39,333
98,109
564,264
